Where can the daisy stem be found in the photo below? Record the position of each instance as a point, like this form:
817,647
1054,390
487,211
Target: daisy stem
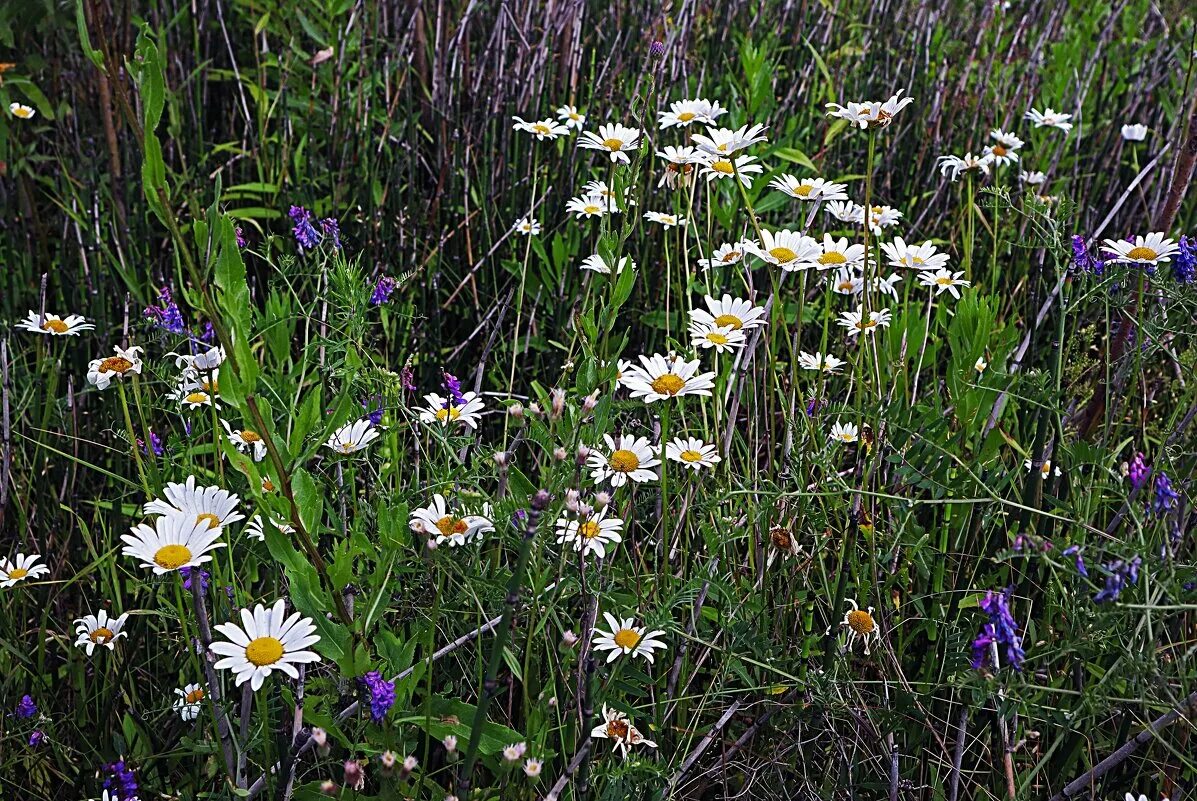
145,428
519,302
968,227
665,411
120,385
923,345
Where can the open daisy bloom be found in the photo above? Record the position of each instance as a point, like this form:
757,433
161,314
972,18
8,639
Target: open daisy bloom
353,437
952,166
882,217
246,441
586,207
600,189
844,432
618,728
1151,249
625,637
725,142
615,139
195,392
266,642
847,281
544,129
444,411
918,257
846,211
255,529
809,188
22,568
176,540
664,218
683,112
724,167
599,265
21,111
661,378
838,253
194,365
590,533
629,459
1045,469
860,625
787,249
72,325
943,281
871,113
729,312
450,527
571,117
526,226
692,453
725,255
1001,153
127,361
721,338
101,630
1049,118
189,702
211,505
819,361
856,322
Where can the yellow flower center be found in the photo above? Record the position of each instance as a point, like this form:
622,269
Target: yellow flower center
917,260
589,530
668,219
716,338
22,112
686,116
449,525
172,557
690,456
250,436
115,364
101,635
833,257
613,144
848,436
780,538
626,638
264,651
347,447
803,190
944,280
1144,253
541,128
783,255
861,621
447,414
57,326
624,461
213,520
846,285
195,696
592,208
18,573
668,384
267,485
729,321
870,323
196,397
723,166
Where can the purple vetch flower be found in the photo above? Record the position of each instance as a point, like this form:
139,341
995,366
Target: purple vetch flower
382,290
330,228
382,694
167,316
1082,262
306,235
657,49
373,412
240,237
1138,471
26,708
36,738
1165,497
1119,574
1184,263
208,335
1075,550
189,572
453,387
407,378
1000,630
121,782
155,448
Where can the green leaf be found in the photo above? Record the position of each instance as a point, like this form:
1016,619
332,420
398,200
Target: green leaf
456,718
309,499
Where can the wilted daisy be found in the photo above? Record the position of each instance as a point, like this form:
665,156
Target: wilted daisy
838,253
571,117
353,437
788,249
667,220
1033,178
847,281
918,257
1134,133
544,129
255,529
725,142
467,410
599,265
782,543
21,111
952,166
661,378
725,255
1049,118
625,637
729,312
1004,150
824,362
22,568
943,281
526,226
102,630
855,320
450,527
212,506
1151,249
590,533
266,642
809,188
100,372
871,113
860,625
71,325
844,432
721,338
190,701
679,165
614,139
618,728
629,459
246,441
683,112
175,540
721,167
692,453
586,207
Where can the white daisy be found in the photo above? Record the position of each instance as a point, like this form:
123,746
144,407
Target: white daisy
819,361
661,378
882,217
887,285
189,702
860,625
599,265
846,211
679,165
1033,178
71,325
980,365
918,257
844,432
353,437
21,111
586,207
102,630
449,527
838,253
721,338
614,139
721,167
735,313
788,249
599,189
1151,249
847,281
854,320
944,281
23,568
255,529
100,372
952,166
194,364
266,641
591,533
626,460
809,188
618,728
1134,133
1003,151
444,411
1045,469
571,117
175,540
667,220
694,454
724,255
196,393
871,113
725,142
526,226
213,505
246,441
683,112
1049,118
625,637
544,129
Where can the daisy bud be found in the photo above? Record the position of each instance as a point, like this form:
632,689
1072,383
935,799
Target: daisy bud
569,639
516,410
601,501
557,401
501,458
320,738
355,776
432,546
450,743
559,454
553,702
590,401
388,760
328,787
571,500
540,500
409,764
583,454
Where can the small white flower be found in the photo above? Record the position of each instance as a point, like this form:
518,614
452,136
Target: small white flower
682,113
190,701
1050,118
1151,249
591,533
598,264
22,568
614,139
809,189
662,218
820,361
353,437
449,527
944,281
443,411
692,453
952,166
571,117
844,432
1134,133
72,325
21,111
625,637
127,361
721,338
872,113
855,320
266,641
246,441
918,257
629,459
1033,178
526,226
725,142
175,541
544,129
101,630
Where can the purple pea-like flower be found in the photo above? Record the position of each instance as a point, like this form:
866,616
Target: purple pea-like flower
1001,629
36,738
1165,497
383,290
382,694
1138,471
453,387
26,708
1184,264
330,227
166,316
306,235
189,573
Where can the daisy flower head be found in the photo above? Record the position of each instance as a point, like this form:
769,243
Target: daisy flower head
1134,133
725,255
824,362
1045,469
266,641
101,630
526,226
856,322
787,249
246,441
846,211
917,257
847,281
21,568
353,437
618,728
871,113
729,312
590,533
679,165
1148,250
514,752
944,281
661,378
980,365
692,453
598,264
255,529
882,217
193,364
600,189
838,253
1033,178
1001,154
189,702
127,361
860,624
532,767
716,167
174,541
614,139
628,459
571,117
1049,118
195,393
21,111
721,338
683,112
844,432
725,142
544,129
888,285
625,637
662,218
467,409
952,166
449,526
213,506
586,207
782,543
72,325
809,188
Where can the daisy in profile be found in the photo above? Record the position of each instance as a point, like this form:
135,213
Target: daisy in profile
174,541
917,257
127,361
1134,133
1004,149
679,166
353,437
667,220
847,281
823,362
246,440
787,249
725,255
629,459
721,338
22,568
625,637
544,129
882,217
194,365
449,527
722,167
614,139
599,265
1151,249
860,625
855,321
943,281
194,394
571,117
600,190
729,312
845,211
692,453
1045,469
954,166
871,113
1050,118
782,543
590,533
725,142
887,285
21,111
661,378
189,702
101,630
980,365
586,207
526,226
72,325
213,506
846,433
838,253
466,410
618,728
683,112
809,188
265,642
1033,178
255,529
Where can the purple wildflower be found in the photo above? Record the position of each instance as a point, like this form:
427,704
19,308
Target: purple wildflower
657,49
453,387
408,379
1138,471
1119,574
208,335
382,694
1001,629
167,316
382,290
26,708
1165,497
188,572
1075,550
156,448
1082,262
306,235
36,738
121,783
330,228
1184,264
374,409
240,237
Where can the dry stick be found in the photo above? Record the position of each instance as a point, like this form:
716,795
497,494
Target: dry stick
247,703
205,635
958,755
703,744
290,762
